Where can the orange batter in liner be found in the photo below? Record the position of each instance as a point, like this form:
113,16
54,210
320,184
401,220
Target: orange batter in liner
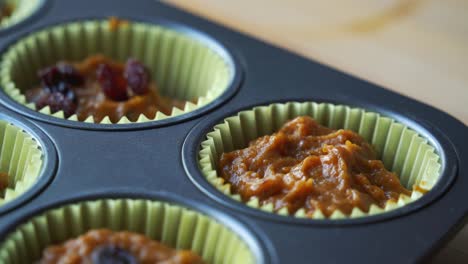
106,246
92,101
3,181
306,165
5,11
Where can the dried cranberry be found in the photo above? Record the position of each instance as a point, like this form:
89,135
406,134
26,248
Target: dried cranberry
109,254
58,101
137,76
112,82
70,74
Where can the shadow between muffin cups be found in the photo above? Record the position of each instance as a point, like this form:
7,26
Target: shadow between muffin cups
164,217
418,156
186,64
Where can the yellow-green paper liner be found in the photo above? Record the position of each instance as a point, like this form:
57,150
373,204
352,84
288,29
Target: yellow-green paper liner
183,67
21,158
401,149
21,10
171,224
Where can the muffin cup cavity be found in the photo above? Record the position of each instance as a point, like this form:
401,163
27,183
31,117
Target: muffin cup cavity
184,65
20,10
22,158
169,223
402,150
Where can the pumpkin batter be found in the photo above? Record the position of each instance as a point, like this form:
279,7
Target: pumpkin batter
306,165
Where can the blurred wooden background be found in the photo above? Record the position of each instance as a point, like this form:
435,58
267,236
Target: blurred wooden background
415,47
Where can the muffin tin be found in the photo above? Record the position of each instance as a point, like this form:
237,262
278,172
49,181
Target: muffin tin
158,160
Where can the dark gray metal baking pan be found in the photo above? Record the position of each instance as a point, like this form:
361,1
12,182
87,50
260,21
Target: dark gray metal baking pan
146,160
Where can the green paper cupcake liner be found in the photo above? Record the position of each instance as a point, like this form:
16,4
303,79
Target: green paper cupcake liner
21,158
171,224
21,10
183,67
402,150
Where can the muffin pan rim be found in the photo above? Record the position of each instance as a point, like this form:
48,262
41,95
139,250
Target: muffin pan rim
224,50
261,248
40,10
438,140
49,167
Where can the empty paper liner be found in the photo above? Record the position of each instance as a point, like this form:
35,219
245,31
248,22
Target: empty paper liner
171,224
402,150
183,66
21,158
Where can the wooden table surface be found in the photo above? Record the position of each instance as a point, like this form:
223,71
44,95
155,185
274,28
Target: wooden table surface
418,48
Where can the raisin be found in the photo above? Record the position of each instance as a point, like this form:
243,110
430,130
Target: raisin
50,76
70,95
64,89
70,75
58,80
60,87
112,82
58,101
66,73
137,76
109,254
